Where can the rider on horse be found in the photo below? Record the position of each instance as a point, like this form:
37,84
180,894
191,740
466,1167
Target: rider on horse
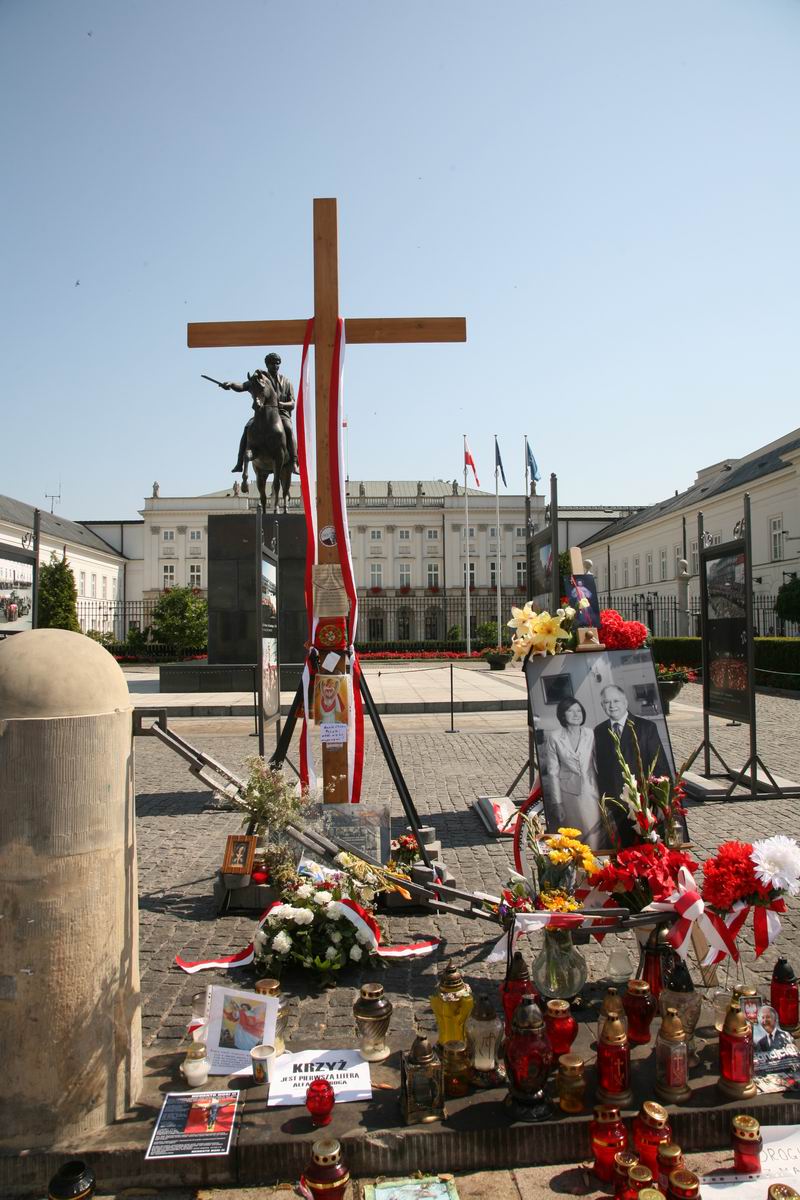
268,387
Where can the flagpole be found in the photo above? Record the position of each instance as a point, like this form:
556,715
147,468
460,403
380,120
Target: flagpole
527,521
498,565
466,542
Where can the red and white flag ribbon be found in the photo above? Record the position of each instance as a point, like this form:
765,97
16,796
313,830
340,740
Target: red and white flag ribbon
687,902
526,922
305,429
733,921
766,924
363,922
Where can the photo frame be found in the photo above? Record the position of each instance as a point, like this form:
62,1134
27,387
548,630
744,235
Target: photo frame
237,1021
571,700
240,852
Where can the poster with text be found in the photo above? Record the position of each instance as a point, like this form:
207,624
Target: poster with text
194,1125
345,1070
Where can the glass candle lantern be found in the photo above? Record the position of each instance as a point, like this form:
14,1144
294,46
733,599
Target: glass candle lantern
612,1006
650,1128
639,1178
747,1145
517,984
421,1084
680,994
651,1193
607,1138
272,987
372,1013
528,1059
73,1180
320,1099
669,1159
736,1055
619,967
721,1001
561,1026
570,1083
640,1007
672,1060
326,1177
658,959
623,1161
783,995
451,1003
456,1069
199,1006
484,1031
559,969
614,1064
683,1185
196,1067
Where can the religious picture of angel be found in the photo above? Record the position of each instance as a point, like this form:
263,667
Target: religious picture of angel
330,699
580,592
242,1023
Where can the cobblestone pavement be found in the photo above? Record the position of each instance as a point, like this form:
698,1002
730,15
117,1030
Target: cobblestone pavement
182,836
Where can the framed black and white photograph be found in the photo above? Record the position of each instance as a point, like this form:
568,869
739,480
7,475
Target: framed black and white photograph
578,764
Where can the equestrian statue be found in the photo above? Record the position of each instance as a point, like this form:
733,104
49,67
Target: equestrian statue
268,439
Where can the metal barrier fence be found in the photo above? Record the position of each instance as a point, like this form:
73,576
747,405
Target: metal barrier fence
441,616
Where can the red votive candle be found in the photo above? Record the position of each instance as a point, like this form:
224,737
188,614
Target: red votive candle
561,1026
320,1099
607,1137
747,1145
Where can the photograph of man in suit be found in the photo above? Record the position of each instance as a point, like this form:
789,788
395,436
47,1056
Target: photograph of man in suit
609,773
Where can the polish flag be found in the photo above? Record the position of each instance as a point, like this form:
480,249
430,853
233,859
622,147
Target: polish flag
469,461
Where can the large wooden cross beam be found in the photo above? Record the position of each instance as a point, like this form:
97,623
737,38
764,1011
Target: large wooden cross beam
364,330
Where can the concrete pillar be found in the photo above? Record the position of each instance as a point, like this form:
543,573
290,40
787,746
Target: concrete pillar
70,1004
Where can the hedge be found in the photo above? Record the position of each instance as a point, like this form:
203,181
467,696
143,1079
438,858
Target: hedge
682,651
777,659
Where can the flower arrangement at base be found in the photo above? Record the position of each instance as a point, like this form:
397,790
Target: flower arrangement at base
405,851
638,875
308,930
537,632
675,673
743,877
618,634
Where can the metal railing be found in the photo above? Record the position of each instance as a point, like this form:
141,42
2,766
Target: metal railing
661,614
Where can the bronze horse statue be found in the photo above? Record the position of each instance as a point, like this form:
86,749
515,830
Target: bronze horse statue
268,452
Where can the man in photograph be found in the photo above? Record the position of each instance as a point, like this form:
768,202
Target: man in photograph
768,1034
609,773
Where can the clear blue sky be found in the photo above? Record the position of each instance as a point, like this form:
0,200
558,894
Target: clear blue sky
608,191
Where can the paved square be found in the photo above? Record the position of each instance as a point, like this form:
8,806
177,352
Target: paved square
181,838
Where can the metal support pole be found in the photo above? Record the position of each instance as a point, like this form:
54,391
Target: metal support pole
37,520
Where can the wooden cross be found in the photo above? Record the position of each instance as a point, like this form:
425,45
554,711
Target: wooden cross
369,330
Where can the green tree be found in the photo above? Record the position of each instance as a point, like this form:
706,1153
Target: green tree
787,603
180,619
58,596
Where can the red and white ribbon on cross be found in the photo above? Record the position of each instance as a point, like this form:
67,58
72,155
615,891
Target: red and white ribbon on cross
305,426
598,898
733,921
687,902
363,922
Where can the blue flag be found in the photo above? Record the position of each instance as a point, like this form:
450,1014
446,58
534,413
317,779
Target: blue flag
534,470
498,462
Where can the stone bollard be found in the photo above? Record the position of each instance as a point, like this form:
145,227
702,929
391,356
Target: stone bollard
70,1005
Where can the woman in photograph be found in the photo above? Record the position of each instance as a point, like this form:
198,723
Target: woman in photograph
570,775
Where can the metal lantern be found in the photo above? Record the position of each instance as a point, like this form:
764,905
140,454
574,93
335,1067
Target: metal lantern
372,1013
784,996
73,1180
528,1059
421,1084
612,1006
680,994
451,1003
484,1031
672,1060
736,1055
516,984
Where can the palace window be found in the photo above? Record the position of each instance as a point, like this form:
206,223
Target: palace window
519,532
195,535
104,587
404,575
614,576
520,569
195,575
168,576
94,585
433,535
471,532
637,570
433,574
625,579
493,574
649,566
168,535
662,562
82,589
376,574
776,538
404,535
376,535
694,558
471,574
